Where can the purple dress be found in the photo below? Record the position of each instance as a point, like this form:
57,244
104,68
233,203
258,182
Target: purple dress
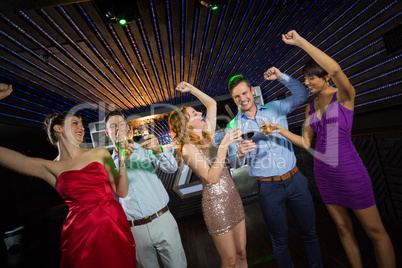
340,174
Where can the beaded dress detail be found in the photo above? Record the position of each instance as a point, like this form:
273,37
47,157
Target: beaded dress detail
221,203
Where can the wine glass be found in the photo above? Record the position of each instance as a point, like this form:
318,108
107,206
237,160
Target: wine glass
123,139
248,136
139,132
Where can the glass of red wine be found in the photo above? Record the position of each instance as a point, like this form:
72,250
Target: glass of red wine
248,135
139,132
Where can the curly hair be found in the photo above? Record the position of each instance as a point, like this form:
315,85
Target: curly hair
183,133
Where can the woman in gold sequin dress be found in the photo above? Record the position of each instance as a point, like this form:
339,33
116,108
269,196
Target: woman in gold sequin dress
221,204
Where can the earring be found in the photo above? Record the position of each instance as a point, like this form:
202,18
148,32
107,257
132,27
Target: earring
328,83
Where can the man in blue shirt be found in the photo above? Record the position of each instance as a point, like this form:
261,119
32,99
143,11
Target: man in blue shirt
272,161
154,228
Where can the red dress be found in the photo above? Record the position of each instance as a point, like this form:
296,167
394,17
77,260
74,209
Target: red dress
96,232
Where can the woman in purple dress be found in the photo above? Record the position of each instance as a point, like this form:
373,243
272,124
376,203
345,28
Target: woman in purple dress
340,174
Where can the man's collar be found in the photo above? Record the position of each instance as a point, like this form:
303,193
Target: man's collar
242,114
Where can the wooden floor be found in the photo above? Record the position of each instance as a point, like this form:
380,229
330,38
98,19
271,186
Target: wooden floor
201,252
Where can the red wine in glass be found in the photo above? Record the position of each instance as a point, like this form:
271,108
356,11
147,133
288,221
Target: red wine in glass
139,138
248,135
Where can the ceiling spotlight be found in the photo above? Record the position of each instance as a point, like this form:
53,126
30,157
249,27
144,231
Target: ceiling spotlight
209,4
122,22
122,11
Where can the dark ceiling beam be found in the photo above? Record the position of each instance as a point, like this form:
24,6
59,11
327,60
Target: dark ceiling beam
15,5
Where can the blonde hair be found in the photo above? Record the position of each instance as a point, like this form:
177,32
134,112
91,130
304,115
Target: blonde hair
183,133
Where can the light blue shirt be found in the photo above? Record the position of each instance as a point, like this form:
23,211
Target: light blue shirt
273,155
146,193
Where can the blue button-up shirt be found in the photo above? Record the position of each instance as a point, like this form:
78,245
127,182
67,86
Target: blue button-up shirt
146,193
274,154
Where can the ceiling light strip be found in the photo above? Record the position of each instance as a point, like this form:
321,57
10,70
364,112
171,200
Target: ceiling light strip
53,100
117,39
183,6
22,108
21,45
377,77
159,45
327,7
211,51
204,38
106,45
231,44
196,17
151,59
215,93
275,51
169,23
23,118
56,101
361,37
34,24
144,68
238,59
370,32
95,50
39,68
82,52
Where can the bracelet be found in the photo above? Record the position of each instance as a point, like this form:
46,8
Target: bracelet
239,155
160,147
122,168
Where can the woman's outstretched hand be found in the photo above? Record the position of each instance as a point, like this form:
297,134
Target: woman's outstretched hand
184,87
292,38
5,90
231,136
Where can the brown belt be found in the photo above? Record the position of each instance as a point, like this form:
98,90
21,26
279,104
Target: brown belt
280,178
149,218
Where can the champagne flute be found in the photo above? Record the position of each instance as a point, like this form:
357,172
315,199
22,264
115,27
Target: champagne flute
123,139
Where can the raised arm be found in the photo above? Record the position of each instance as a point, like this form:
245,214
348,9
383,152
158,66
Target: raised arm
5,90
299,92
197,162
208,102
31,166
346,90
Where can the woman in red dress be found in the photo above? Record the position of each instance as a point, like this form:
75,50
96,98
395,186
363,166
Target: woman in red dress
95,232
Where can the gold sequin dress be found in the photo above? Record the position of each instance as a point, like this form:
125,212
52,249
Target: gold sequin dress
221,203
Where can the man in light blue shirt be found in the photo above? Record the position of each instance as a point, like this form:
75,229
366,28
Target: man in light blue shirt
272,161
154,228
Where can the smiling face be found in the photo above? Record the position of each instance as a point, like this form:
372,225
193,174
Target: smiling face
314,83
72,130
242,95
113,125
195,118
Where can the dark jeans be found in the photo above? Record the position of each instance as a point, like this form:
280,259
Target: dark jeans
294,194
